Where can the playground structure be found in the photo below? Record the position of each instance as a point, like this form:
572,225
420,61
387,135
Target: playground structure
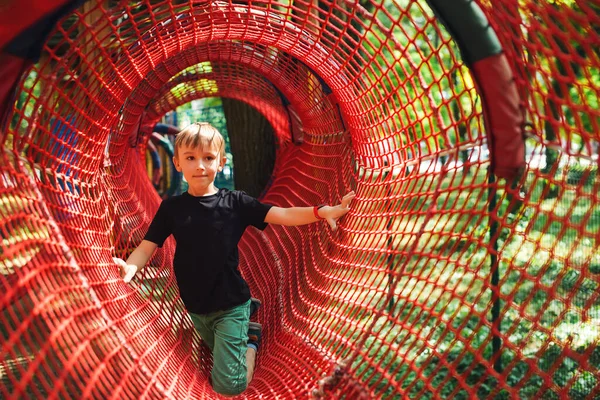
468,266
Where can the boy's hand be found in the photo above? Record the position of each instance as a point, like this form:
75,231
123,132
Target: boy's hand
127,270
333,213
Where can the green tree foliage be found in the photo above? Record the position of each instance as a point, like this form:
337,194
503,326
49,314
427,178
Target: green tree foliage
566,80
420,86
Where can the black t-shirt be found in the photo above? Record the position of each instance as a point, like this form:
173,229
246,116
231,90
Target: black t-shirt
207,230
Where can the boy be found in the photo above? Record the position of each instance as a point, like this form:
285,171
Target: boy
207,224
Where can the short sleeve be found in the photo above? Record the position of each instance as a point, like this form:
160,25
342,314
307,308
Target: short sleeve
253,212
160,227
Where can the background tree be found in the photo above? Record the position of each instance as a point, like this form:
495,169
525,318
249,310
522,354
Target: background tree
252,144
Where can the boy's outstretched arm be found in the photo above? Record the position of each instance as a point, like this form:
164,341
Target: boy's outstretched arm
294,216
137,260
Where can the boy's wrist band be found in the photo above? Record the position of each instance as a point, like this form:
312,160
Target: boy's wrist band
316,211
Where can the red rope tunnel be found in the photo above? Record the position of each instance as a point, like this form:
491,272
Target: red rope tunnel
468,266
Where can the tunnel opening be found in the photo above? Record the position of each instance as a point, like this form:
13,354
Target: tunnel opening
250,147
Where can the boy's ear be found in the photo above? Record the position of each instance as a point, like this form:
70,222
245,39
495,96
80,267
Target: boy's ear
222,163
176,164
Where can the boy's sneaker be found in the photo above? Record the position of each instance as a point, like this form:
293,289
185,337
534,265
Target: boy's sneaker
254,306
254,334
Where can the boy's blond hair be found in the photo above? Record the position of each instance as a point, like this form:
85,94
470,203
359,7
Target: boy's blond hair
200,134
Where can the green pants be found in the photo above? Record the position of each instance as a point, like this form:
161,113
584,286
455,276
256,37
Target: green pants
226,334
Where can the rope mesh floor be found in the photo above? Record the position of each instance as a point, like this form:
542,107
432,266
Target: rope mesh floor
444,280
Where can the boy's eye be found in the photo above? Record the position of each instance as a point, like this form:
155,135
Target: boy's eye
190,158
209,158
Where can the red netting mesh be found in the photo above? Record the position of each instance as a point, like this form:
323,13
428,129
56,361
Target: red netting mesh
439,283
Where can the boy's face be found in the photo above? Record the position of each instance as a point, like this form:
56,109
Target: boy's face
199,165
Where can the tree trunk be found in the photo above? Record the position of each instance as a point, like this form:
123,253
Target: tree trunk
461,124
553,112
252,142
560,90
